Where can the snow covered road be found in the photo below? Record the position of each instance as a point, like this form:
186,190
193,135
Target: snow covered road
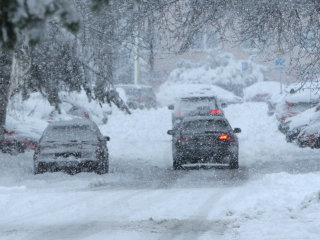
274,195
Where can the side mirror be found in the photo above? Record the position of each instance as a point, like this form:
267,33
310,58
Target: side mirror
171,132
237,130
171,107
224,105
107,138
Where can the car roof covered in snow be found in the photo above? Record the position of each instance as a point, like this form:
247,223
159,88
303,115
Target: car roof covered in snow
75,121
265,87
305,93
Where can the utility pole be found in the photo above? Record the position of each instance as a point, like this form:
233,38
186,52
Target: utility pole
137,62
280,64
137,48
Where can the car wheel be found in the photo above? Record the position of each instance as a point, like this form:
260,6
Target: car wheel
102,168
38,169
234,163
15,148
177,162
72,170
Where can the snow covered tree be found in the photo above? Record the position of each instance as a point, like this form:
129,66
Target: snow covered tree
24,22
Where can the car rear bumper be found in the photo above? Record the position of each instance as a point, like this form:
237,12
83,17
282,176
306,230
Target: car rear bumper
207,155
83,166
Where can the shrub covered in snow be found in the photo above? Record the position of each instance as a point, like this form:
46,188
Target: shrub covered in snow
35,112
221,69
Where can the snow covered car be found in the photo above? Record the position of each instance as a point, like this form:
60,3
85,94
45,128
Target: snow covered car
205,142
72,146
295,101
293,134
16,142
310,136
261,91
195,106
290,106
137,96
171,92
294,125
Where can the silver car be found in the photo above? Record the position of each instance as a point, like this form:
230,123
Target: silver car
72,146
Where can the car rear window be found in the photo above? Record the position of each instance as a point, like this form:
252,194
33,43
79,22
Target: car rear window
206,125
194,103
69,133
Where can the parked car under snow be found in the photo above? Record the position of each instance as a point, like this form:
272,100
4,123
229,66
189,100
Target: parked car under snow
261,91
137,96
72,146
16,141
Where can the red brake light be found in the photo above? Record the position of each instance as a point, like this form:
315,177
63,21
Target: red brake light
183,140
226,138
86,115
289,105
179,113
213,112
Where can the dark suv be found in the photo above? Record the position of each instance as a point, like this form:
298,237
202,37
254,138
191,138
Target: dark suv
205,142
195,106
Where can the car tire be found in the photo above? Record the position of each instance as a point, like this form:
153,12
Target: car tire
37,170
72,170
234,163
102,168
177,162
103,164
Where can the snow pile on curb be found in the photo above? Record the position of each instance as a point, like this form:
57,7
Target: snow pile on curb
278,206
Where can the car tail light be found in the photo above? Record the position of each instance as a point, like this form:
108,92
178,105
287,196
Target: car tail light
282,119
179,113
226,138
86,115
183,140
213,112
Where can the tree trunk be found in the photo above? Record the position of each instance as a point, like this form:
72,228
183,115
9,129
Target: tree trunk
5,73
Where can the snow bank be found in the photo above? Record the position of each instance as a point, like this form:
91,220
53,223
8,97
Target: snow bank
278,206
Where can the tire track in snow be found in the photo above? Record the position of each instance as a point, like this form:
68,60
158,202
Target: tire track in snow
24,219
198,224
